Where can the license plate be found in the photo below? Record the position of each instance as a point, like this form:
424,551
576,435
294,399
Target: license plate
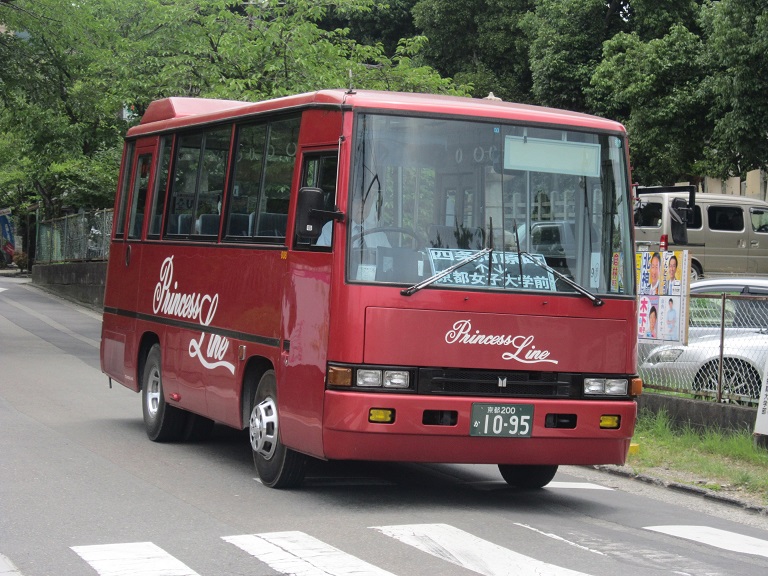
502,420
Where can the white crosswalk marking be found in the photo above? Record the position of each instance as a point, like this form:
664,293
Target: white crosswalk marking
299,554
468,551
7,568
716,537
135,559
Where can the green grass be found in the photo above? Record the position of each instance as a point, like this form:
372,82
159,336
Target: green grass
714,459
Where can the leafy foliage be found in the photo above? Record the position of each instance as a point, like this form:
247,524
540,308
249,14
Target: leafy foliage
72,69
685,76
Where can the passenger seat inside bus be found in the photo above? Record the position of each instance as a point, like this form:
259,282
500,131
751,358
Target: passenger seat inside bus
239,225
208,224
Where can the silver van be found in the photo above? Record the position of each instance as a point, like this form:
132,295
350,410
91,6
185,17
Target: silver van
726,234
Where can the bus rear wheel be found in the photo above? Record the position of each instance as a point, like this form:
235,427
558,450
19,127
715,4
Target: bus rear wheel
527,476
162,422
278,466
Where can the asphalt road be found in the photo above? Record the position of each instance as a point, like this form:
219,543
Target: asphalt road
83,491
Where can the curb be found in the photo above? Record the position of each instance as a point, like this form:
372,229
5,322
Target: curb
686,488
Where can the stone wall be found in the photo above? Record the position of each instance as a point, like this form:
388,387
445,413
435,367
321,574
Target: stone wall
82,282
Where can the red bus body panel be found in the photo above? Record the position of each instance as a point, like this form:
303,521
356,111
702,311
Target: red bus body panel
295,312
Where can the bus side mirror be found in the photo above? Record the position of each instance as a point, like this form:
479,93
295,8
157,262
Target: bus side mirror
679,221
310,213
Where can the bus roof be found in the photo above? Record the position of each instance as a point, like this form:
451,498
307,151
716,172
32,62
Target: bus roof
171,113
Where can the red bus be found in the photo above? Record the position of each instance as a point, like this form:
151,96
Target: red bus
358,275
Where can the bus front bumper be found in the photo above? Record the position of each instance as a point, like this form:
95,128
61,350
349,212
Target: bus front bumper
438,429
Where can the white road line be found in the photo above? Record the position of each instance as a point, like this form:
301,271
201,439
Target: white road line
299,554
6,566
3,289
470,552
135,559
717,538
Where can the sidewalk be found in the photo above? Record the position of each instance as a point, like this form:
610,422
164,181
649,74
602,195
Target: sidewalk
14,272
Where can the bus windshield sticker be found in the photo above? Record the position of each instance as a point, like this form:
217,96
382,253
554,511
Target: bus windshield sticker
504,270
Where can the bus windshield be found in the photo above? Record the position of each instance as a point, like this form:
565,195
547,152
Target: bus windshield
430,193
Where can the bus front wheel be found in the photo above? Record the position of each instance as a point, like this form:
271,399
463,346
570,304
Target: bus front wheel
162,422
278,466
527,476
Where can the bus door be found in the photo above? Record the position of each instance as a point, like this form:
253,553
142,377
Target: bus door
301,379
125,264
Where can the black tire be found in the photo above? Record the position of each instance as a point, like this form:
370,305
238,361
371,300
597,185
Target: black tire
197,428
278,466
527,476
162,422
696,271
739,378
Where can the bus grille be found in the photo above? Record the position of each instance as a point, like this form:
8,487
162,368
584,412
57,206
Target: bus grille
500,383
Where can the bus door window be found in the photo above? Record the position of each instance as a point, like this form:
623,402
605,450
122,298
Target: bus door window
160,188
319,171
124,189
140,187
272,214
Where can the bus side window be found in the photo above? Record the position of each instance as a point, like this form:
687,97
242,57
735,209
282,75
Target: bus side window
319,171
124,189
246,187
182,202
198,183
140,187
160,187
211,182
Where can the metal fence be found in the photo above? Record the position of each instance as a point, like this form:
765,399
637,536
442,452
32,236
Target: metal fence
726,352
82,236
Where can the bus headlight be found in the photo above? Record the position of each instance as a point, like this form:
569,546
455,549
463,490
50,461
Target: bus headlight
606,386
396,379
393,379
369,378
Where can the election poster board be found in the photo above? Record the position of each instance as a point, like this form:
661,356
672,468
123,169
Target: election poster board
663,286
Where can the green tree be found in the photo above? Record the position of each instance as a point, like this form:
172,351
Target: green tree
656,88
479,42
737,51
566,39
70,69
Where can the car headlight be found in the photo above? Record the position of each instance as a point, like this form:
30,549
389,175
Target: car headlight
667,355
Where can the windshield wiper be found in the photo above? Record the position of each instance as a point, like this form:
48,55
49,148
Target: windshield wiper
575,285
435,277
578,287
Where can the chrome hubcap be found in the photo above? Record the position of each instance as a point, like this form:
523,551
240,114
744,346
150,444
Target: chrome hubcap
153,392
263,428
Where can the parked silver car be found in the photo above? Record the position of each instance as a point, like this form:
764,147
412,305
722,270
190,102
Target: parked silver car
745,344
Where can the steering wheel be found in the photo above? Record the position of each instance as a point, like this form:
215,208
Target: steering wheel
417,242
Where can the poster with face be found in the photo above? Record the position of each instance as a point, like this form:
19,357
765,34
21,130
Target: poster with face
662,305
